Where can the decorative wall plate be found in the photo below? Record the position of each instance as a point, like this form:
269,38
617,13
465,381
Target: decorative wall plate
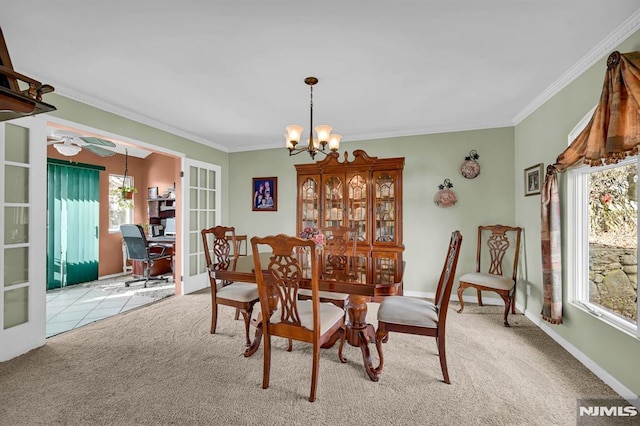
470,168
445,197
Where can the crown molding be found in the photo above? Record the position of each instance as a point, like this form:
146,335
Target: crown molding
628,27
130,115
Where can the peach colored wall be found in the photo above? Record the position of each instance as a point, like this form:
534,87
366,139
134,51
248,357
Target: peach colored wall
163,171
155,170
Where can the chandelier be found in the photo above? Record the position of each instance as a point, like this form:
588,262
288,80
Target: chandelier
323,132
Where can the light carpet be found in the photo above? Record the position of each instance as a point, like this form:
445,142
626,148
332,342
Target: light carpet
159,365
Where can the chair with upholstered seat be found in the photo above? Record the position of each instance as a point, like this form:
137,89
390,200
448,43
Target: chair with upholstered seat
499,244
308,321
139,249
338,261
404,314
219,242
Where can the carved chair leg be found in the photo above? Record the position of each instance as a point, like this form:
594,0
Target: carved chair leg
381,336
460,290
290,345
343,332
246,315
507,306
479,298
237,315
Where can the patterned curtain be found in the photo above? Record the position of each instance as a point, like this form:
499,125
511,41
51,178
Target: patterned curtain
551,250
612,134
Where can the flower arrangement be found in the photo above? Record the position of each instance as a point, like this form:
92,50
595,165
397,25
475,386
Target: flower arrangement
312,233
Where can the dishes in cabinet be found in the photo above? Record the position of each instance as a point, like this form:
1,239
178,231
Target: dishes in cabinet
310,213
333,214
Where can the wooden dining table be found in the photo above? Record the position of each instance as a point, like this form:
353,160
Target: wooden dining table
359,332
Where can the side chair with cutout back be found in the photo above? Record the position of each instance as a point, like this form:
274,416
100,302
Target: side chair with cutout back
308,321
496,245
219,242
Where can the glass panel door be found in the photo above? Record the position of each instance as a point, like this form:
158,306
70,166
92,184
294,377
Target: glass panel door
309,204
384,208
202,201
333,201
358,206
23,197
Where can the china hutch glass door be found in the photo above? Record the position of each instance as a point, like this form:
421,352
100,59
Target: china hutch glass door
309,203
358,206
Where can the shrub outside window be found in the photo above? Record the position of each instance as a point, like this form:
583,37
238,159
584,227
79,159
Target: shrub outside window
120,211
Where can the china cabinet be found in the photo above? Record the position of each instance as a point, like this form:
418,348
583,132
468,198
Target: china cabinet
364,194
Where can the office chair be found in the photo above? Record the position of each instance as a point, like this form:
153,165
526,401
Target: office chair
138,249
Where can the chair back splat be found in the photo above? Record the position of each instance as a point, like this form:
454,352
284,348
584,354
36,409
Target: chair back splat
218,242
279,283
496,245
410,315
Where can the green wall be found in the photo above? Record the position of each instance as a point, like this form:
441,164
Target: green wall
539,139
429,160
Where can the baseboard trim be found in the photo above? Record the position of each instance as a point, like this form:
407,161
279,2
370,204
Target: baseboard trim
611,381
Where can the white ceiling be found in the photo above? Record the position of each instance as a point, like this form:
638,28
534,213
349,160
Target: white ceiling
230,73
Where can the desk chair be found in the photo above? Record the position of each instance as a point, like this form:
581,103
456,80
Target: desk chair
138,248
304,320
403,314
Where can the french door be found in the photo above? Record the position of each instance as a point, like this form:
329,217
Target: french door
201,209
23,236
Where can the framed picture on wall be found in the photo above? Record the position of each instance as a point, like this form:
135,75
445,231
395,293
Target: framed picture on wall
533,179
152,192
264,194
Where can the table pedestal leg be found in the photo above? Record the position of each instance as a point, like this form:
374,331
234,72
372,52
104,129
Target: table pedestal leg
359,333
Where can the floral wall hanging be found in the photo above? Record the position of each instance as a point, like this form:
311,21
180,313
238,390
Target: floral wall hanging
470,168
445,197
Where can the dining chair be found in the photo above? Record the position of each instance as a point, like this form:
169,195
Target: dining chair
337,260
219,242
308,321
404,314
498,243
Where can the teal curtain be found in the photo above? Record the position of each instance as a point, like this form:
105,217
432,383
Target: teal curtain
72,225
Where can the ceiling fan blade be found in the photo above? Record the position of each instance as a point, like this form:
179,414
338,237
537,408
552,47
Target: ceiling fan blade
99,150
97,141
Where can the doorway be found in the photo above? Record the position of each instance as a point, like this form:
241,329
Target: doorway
72,223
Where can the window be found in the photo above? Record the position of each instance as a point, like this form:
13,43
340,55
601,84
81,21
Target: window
120,209
603,241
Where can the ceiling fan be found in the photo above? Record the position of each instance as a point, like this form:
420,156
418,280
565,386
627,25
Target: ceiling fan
70,144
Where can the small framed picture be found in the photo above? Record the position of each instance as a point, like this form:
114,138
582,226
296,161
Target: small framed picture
533,179
264,194
152,192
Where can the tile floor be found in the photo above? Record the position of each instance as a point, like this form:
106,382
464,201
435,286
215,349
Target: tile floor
74,306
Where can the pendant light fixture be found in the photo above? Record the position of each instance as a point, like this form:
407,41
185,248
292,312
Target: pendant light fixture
323,132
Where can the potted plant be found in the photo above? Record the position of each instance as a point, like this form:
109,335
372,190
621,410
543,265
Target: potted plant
127,192
123,195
